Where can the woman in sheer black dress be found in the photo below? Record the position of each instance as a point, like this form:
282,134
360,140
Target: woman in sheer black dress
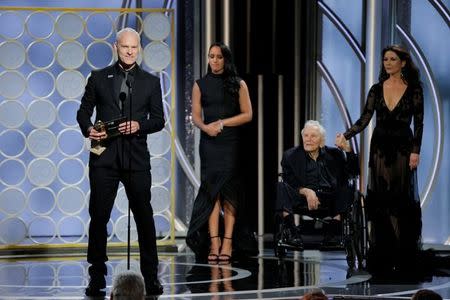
392,199
224,100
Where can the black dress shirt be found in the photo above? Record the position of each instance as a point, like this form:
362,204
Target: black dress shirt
318,175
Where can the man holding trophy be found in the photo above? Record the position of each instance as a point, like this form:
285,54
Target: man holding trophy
128,105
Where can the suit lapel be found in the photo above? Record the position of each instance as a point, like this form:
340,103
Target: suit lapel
137,77
113,86
300,163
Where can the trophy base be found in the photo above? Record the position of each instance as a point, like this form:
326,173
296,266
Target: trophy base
97,150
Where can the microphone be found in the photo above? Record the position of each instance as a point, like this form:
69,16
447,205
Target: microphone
130,80
122,96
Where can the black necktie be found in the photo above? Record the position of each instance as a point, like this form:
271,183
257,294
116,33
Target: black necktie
123,88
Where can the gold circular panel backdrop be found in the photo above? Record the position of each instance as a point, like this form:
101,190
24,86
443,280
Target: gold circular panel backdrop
46,57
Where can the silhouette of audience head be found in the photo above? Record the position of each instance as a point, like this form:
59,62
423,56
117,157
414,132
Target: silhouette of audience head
315,294
128,285
425,294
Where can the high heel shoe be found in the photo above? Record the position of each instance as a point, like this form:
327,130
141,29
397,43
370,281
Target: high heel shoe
225,258
213,256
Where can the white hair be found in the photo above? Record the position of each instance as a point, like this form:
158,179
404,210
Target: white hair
128,29
318,126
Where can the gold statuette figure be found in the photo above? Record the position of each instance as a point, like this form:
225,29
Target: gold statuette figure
96,146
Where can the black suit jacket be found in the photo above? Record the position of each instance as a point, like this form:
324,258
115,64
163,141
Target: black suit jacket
342,167
102,94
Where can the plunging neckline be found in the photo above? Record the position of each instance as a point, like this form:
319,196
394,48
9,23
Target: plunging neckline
398,101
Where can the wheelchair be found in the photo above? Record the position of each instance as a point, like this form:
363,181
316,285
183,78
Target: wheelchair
352,234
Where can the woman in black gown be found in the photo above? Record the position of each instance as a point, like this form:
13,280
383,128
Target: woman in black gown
392,199
224,100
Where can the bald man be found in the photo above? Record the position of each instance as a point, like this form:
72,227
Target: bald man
123,157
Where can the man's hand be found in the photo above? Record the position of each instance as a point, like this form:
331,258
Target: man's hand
414,159
311,198
96,135
129,127
342,143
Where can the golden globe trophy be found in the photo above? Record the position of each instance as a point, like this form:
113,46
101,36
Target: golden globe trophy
111,128
96,146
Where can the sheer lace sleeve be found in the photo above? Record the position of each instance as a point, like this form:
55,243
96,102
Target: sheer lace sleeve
418,119
366,115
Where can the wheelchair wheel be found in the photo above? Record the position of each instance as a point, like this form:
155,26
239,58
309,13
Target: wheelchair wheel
355,233
348,244
360,232
351,261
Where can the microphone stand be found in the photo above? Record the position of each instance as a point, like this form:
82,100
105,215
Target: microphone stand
122,98
130,96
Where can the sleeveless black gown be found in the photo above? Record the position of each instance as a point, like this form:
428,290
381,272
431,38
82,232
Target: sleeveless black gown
220,171
393,204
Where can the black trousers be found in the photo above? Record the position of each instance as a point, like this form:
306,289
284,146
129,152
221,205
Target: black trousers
288,199
104,183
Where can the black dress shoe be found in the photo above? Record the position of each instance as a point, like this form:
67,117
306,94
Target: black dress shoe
153,287
96,287
290,236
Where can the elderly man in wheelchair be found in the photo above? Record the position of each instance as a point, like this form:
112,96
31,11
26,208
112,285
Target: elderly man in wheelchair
315,181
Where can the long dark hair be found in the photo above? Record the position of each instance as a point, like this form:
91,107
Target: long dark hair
230,75
410,73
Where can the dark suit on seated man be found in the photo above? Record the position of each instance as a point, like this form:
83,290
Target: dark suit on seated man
314,177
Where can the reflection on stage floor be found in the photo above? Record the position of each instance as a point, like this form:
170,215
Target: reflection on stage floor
263,277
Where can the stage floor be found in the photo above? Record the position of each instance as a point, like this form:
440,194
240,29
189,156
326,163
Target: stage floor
262,277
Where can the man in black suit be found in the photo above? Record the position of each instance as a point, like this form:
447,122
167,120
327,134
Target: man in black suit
314,176
126,158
